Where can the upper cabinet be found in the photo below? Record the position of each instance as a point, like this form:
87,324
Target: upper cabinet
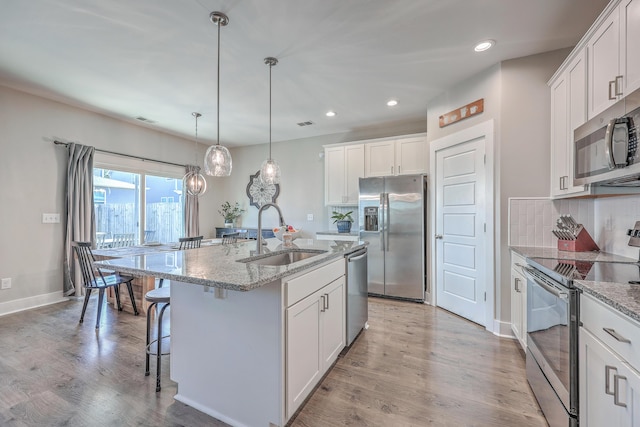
403,156
343,167
601,70
568,111
345,164
614,57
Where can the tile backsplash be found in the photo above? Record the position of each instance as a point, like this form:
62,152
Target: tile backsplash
607,220
531,220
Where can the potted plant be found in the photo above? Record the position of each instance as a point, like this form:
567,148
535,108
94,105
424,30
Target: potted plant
343,221
230,213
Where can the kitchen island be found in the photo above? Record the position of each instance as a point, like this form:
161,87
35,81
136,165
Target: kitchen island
249,341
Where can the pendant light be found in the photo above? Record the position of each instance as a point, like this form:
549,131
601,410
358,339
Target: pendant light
217,160
193,181
270,170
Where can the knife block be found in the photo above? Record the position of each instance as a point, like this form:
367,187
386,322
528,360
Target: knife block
582,243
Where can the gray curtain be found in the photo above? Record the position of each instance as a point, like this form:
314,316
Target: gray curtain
191,209
81,219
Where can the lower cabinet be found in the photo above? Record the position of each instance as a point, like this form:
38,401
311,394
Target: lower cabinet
518,300
609,387
609,382
316,330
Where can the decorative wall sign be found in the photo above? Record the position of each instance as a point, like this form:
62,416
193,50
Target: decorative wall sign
260,193
461,113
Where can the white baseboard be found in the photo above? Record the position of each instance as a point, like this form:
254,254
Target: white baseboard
31,302
502,329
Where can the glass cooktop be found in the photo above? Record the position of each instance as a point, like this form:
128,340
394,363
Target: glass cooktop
565,271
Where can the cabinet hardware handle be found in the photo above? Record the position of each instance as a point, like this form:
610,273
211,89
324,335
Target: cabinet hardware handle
391,170
616,383
607,383
611,83
398,169
618,79
327,300
438,236
323,302
616,335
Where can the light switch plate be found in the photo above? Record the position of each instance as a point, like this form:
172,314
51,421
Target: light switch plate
6,283
309,217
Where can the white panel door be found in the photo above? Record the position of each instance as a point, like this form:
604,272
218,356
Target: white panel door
411,156
460,242
602,56
354,165
334,176
333,322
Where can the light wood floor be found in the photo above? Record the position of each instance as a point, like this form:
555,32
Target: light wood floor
415,366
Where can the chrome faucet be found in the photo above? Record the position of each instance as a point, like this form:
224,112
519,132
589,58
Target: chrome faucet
262,208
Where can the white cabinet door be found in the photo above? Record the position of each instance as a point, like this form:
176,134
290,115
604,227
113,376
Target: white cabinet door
629,12
333,324
334,177
304,364
609,388
559,132
354,170
518,307
411,156
603,56
379,158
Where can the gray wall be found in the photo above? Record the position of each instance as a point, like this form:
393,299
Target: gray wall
516,97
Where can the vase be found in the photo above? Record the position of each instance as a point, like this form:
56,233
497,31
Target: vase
228,224
344,226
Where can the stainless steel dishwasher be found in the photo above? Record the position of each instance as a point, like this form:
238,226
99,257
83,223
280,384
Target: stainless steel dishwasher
357,293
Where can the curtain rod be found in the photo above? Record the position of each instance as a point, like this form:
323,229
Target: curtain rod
144,159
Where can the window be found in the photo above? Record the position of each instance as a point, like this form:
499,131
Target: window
121,205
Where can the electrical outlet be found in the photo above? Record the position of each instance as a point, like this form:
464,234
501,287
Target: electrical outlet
6,283
50,218
309,217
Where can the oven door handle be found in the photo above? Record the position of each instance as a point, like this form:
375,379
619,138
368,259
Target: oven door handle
550,289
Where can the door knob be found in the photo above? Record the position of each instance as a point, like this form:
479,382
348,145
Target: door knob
438,236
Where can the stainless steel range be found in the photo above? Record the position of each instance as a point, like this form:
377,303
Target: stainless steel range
553,315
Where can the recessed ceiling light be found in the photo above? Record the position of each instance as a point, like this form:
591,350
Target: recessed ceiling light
331,113
484,45
392,102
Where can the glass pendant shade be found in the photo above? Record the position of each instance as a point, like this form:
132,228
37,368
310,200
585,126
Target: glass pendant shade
270,172
194,183
217,161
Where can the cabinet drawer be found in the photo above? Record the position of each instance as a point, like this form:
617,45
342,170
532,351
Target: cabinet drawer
516,258
598,318
308,283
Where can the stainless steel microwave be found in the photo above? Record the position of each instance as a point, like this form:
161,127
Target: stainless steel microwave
605,148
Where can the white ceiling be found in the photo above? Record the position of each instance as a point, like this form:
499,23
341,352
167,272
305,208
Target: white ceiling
157,58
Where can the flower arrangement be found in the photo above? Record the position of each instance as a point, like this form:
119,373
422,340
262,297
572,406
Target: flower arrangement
230,212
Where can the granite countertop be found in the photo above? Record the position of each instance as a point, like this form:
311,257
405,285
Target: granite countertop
217,266
623,297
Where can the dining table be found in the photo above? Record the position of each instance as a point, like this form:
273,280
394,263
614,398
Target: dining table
142,284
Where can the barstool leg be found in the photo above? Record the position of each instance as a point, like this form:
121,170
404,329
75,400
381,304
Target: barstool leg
149,311
159,355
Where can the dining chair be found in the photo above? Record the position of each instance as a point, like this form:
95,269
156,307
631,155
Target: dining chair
185,243
121,240
94,278
149,235
230,238
190,242
100,244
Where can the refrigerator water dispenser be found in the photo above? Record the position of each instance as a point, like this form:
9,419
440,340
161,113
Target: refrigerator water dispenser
371,218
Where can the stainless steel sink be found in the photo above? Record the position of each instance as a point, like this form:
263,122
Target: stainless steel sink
283,258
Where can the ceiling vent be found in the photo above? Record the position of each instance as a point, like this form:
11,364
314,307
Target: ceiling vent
309,123
144,119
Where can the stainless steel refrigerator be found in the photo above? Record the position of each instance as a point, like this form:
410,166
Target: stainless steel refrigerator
392,213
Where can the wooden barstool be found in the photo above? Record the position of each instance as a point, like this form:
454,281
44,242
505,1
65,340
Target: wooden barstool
156,347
